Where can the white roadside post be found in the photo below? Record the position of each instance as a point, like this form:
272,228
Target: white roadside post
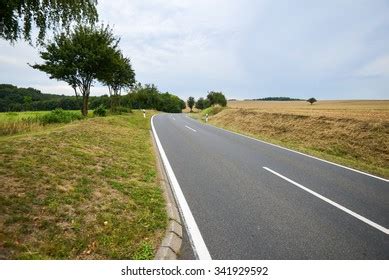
206,117
144,113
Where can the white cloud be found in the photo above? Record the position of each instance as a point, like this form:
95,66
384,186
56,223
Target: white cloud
244,48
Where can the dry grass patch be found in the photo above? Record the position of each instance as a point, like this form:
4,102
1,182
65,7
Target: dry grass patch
86,190
354,133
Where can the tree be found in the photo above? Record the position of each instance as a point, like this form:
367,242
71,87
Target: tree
144,97
191,102
27,100
117,77
182,104
79,58
202,103
311,100
215,97
17,17
169,103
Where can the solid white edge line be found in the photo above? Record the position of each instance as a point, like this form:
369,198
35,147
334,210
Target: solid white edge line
348,211
196,240
297,152
191,128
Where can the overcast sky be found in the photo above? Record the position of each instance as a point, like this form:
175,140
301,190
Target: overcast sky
247,49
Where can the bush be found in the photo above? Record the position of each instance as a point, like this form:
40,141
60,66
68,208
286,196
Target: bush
100,111
215,97
212,110
59,116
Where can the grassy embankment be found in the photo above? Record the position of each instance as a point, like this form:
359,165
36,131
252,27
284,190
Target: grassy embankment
21,122
84,190
352,133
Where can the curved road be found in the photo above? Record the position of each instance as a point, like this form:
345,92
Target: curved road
253,200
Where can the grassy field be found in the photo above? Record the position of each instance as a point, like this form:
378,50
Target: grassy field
353,133
84,190
21,122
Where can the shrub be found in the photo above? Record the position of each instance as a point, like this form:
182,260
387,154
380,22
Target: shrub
215,97
100,111
212,110
59,116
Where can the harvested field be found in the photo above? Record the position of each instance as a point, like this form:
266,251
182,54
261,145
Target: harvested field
353,133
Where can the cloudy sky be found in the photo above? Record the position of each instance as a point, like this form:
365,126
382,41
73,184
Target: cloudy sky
247,49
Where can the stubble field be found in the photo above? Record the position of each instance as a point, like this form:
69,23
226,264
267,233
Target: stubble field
354,133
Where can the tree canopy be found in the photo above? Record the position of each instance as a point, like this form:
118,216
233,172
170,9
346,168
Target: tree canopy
18,17
191,102
149,97
216,97
13,98
202,103
78,58
312,100
119,75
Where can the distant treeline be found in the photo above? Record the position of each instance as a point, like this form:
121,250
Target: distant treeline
275,99
17,99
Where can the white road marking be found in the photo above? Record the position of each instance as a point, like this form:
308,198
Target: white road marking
191,128
195,238
348,211
173,118
300,153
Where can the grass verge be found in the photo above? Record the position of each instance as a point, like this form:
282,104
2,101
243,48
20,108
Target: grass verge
85,190
21,122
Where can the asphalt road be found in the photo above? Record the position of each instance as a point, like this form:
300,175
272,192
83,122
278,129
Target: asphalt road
252,200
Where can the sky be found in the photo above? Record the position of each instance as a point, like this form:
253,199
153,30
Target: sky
246,49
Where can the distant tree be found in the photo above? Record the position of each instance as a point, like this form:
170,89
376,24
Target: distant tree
27,100
202,103
215,97
191,102
17,17
80,57
144,96
149,97
169,103
311,100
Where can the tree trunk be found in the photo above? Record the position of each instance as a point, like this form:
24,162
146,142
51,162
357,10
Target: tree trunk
85,98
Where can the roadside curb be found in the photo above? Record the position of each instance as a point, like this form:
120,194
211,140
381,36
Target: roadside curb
171,244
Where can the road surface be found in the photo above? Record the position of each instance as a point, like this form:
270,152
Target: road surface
253,200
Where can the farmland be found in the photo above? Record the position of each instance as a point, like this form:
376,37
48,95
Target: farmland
82,190
354,133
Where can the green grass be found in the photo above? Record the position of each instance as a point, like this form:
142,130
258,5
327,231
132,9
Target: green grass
84,190
20,122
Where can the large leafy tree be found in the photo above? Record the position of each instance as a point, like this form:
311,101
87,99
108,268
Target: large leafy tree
202,103
80,57
216,97
18,17
119,75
